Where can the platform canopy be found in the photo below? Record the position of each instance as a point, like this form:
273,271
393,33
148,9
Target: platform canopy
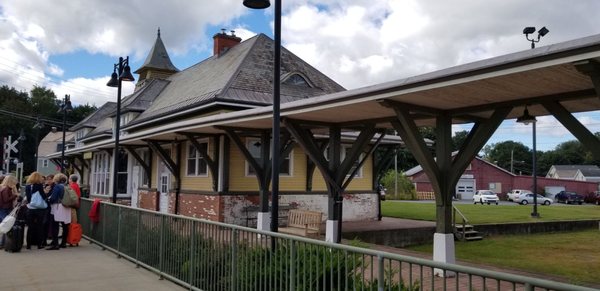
557,80
557,73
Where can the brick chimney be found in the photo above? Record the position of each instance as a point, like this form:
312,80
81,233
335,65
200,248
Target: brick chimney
224,41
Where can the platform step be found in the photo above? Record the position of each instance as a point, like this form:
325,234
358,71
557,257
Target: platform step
473,238
467,227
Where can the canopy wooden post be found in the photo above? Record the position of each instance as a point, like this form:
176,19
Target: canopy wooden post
171,165
444,171
336,173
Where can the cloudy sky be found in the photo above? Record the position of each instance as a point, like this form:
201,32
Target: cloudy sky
71,46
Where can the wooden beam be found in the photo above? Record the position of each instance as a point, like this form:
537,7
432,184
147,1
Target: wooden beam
411,107
140,160
258,169
476,139
573,95
590,68
310,165
308,144
407,129
383,163
363,160
443,155
162,154
587,138
72,160
353,155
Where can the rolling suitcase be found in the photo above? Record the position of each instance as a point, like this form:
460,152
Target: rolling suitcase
74,236
14,238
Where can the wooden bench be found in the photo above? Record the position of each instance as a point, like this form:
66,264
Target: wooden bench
303,222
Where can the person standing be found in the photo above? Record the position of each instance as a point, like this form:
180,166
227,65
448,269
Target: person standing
60,215
8,195
35,216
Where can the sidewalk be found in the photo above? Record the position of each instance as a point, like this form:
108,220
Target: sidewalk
89,267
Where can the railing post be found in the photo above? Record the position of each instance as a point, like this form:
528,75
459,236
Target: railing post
380,274
103,212
119,232
192,251
234,247
293,265
137,239
161,247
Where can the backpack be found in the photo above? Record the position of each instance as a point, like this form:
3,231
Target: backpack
70,198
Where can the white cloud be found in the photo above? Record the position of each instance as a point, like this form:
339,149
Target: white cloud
414,37
90,91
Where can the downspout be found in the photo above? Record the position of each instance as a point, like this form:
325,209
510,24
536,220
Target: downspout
178,177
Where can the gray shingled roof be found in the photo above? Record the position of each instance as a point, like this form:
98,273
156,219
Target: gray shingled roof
141,99
242,75
569,171
158,58
96,117
104,127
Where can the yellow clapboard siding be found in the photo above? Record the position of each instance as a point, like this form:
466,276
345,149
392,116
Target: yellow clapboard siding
358,183
199,183
297,181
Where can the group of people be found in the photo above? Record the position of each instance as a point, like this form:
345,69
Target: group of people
42,223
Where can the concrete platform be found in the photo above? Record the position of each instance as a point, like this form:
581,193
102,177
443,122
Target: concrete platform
86,267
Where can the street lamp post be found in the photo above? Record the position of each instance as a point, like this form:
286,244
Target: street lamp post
527,119
257,4
64,108
124,74
37,127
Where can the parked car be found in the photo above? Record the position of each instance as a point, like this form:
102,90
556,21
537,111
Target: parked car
568,197
528,198
485,196
514,194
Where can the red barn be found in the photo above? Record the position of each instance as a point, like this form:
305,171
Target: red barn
481,174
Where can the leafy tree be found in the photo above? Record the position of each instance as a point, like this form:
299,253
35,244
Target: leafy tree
19,111
500,154
458,139
406,190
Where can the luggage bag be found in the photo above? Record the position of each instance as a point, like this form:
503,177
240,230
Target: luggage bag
75,232
14,238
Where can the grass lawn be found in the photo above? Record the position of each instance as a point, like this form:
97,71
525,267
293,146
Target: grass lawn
572,255
480,214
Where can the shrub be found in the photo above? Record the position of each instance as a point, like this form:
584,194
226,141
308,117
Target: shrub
406,189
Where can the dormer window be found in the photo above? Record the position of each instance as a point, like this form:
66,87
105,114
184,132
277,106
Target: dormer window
296,79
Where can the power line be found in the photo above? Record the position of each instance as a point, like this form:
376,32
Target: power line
34,119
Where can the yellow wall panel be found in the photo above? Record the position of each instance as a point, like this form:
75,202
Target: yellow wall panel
198,183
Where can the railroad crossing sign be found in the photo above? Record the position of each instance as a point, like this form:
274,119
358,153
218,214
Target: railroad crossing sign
9,145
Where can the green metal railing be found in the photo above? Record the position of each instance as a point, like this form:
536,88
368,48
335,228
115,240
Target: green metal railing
205,255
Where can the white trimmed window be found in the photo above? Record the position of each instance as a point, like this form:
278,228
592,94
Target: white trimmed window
101,173
45,163
143,176
196,165
255,147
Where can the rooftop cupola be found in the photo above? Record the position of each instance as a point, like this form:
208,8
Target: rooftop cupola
158,65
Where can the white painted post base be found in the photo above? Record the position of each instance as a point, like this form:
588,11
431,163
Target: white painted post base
263,221
331,230
443,251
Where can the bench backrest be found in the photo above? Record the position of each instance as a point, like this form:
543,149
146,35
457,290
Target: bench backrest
304,218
